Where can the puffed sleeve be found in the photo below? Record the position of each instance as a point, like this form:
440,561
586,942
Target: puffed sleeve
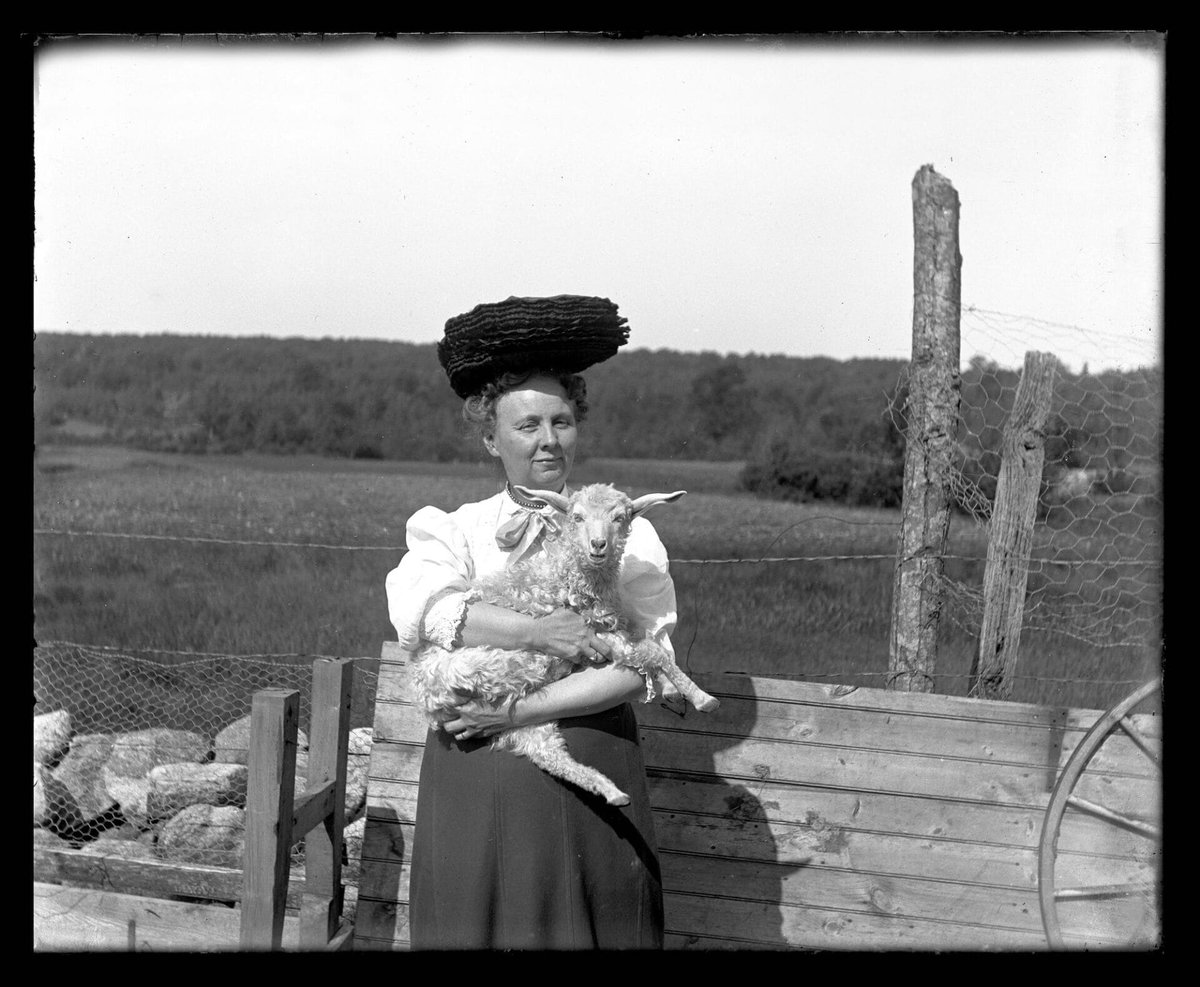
647,590
437,565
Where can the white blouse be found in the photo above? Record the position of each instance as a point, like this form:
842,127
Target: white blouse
426,592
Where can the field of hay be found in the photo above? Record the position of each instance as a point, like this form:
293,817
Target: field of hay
825,617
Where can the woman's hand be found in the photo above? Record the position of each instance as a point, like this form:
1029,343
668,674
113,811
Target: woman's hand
475,720
586,691
564,634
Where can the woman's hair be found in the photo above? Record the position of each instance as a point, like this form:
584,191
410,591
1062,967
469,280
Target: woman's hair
479,410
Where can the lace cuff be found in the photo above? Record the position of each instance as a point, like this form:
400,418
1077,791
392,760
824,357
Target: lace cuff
443,621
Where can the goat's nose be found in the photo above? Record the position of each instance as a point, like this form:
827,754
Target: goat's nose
599,544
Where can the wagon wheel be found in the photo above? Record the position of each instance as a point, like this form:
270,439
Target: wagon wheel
1099,879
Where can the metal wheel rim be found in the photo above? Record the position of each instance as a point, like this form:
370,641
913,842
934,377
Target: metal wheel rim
1055,809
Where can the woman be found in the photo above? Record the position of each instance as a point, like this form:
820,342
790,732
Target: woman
504,855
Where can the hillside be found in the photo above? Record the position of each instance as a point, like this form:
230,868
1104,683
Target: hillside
390,399
807,428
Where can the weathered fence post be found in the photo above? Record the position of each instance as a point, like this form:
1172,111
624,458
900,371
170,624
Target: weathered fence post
932,415
274,717
328,739
1010,532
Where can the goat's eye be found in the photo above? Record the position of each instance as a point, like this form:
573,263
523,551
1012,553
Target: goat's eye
577,518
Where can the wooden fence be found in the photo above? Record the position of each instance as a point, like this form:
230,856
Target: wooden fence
820,816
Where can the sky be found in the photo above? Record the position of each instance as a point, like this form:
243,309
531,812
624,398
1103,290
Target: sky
740,195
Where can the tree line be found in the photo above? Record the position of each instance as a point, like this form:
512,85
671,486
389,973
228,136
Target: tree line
806,427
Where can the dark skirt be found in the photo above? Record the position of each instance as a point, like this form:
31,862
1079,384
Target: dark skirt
506,856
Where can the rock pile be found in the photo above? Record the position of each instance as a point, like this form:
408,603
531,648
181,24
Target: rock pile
164,793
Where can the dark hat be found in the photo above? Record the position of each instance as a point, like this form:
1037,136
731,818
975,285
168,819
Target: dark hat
567,333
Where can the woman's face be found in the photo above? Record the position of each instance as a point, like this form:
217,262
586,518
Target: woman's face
535,434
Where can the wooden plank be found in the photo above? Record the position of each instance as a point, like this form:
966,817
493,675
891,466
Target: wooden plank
698,922
1133,921
956,816
328,745
311,808
744,717
149,878
808,846
772,708
931,706
952,779
381,921
1046,746
831,811
274,719
988,819
788,891
77,919
702,921
753,762
1010,752
388,922
394,671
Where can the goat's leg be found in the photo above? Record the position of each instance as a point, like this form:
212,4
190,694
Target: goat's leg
651,658
544,746
683,682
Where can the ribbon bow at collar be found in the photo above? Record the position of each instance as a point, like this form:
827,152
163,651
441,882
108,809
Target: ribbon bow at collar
523,532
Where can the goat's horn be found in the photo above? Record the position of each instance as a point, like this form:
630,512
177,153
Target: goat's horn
555,500
646,501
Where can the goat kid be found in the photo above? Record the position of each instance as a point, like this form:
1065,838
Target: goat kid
580,570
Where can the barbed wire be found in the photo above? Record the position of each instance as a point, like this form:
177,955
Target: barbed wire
998,329
131,653
1093,333
262,656
401,550
218,541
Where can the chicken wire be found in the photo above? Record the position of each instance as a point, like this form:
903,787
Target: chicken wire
1095,562
144,755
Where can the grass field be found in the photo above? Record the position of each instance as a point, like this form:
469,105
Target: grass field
823,619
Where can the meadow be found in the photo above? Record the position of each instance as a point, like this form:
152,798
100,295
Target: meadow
825,617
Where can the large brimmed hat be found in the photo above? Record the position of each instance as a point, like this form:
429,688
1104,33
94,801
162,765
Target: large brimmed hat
566,333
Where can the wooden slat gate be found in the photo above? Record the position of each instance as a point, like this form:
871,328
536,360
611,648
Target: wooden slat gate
813,816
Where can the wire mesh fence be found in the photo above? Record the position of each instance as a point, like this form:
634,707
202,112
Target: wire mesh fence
1095,576
144,755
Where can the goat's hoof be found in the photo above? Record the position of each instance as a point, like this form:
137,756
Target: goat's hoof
708,704
619,799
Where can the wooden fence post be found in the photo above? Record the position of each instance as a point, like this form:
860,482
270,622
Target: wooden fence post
932,415
274,718
328,739
1010,531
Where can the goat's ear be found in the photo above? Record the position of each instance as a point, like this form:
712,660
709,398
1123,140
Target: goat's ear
646,501
556,500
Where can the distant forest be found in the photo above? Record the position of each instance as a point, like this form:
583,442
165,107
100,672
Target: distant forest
806,428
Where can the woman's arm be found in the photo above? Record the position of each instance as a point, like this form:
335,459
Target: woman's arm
589,690
562,633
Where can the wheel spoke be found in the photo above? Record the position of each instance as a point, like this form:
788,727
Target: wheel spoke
1136,736
1103,891
1128,822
